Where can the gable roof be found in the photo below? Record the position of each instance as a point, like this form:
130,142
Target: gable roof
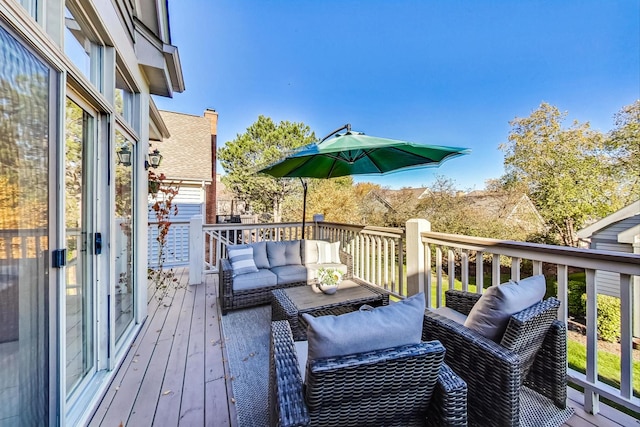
501,205
627,212
186,154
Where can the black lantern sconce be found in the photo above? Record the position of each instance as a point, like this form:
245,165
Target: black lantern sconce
124,156
154,160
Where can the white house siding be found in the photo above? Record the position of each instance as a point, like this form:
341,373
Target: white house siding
190,202
607,239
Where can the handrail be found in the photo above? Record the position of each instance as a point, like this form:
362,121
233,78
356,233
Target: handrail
379,255
459,251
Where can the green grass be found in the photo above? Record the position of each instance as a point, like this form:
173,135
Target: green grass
608,366
608,371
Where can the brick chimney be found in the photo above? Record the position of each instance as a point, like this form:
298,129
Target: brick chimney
210,215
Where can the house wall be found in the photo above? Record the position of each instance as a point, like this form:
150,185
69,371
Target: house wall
190,202
49,385
607,239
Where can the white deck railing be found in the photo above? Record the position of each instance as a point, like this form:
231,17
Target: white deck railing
415,260
459,251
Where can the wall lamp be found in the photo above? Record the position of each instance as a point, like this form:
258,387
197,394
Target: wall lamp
124,156
154,160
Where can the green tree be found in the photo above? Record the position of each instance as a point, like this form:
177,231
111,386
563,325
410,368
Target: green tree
567,172
333,198
624,140
445,210
264,142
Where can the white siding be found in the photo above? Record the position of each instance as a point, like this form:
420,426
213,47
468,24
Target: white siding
607,239
190,194
177,247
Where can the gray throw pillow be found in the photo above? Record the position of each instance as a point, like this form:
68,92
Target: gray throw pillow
260,254
490,314
292,252
241,258
276,254
383,327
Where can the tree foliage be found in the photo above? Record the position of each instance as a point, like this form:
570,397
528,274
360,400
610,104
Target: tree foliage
624,140
568,172
333,198
24,150
263,143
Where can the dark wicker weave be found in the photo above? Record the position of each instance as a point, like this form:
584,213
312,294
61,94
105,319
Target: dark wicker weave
403,386
282,308
231,299
532,351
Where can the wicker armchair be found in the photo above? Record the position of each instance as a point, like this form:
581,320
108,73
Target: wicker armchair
231,299
404,386
533,352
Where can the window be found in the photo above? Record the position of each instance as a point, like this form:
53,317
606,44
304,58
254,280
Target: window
124,233
81,46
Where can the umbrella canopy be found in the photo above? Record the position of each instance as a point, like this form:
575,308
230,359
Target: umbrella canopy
354,153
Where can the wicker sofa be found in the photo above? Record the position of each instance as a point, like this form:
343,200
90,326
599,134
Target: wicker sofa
532,352
298,267
407,385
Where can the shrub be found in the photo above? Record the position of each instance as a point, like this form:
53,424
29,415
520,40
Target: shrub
608,317
575,303
552,288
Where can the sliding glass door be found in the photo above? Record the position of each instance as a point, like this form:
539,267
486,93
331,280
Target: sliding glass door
26,106
80,238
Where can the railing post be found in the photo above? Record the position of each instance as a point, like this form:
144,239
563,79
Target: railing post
196,246
415,255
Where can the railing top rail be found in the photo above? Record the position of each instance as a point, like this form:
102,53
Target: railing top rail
24,232
241,226
398,231
576,257
384,231
172,222
352,227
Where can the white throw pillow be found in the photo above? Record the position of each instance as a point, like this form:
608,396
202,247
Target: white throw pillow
241,258
490,314
328,253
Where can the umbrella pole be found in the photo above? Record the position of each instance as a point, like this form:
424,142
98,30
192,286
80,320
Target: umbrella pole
304,204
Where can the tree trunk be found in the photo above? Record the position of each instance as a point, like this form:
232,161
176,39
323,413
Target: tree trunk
277,211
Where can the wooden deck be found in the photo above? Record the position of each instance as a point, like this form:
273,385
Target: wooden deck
174,373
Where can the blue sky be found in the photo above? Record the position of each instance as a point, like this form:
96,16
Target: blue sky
434,72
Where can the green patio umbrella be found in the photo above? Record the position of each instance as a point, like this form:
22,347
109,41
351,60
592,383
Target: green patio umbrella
354,153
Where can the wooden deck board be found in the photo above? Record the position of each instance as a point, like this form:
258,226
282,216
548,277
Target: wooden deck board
193,392
175,372
168,411
126,389
152,382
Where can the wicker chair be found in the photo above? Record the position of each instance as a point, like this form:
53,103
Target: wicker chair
231,299
403,386
533,352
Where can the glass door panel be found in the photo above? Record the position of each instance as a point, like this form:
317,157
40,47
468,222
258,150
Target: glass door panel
124,296
79,234
25,106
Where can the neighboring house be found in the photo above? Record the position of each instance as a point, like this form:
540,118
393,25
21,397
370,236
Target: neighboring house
76,118
619,232
514,210
188,160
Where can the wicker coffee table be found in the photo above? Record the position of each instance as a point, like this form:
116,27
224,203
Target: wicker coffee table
290,303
